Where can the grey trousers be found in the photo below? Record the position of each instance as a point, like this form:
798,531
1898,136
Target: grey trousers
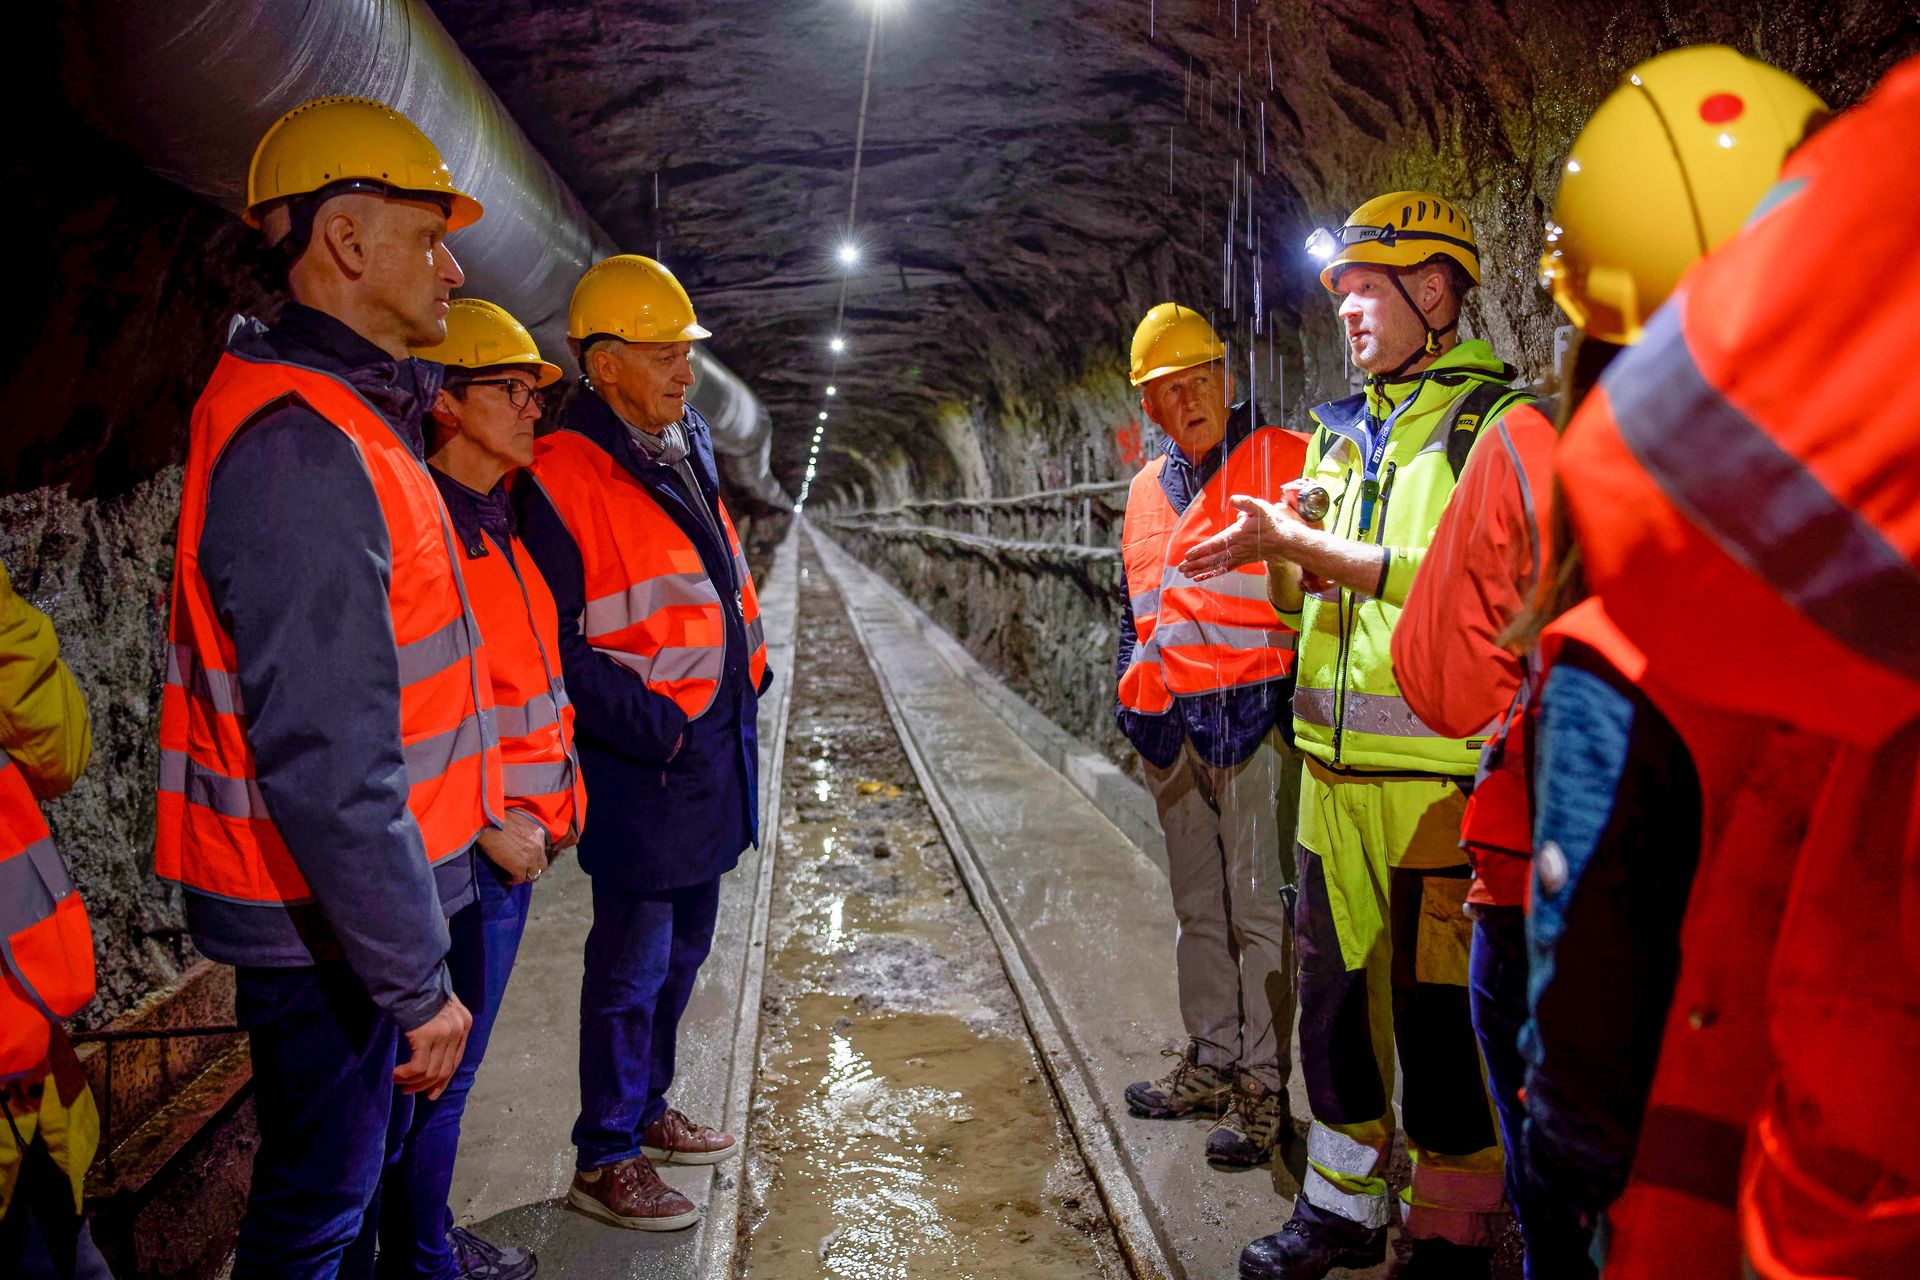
1230,835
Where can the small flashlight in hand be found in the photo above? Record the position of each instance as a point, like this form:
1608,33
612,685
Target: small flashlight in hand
1312,502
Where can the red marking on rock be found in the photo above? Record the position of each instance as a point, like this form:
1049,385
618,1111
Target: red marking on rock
1132,452
1722,108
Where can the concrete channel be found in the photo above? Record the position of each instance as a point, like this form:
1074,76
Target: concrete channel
951,954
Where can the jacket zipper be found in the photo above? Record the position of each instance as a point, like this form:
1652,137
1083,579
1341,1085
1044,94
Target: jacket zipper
1386,494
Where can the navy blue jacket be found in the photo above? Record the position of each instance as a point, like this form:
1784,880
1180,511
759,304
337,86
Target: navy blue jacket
674,802
1604,946
296,559
1226,726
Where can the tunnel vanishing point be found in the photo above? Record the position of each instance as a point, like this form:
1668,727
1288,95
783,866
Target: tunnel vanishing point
922,234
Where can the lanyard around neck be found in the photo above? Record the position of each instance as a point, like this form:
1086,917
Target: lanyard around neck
1376,454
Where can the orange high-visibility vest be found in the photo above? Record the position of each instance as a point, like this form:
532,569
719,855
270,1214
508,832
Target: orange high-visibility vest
1200,637
215,835
46,944
1758,780
650,605
539,770
1747,497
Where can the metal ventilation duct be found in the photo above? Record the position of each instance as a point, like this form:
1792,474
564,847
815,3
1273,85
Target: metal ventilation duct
190,85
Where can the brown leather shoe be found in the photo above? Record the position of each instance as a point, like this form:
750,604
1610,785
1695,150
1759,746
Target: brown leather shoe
628,1193
674,1139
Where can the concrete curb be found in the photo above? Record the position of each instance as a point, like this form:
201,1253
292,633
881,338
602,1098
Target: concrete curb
1124,801
720,1225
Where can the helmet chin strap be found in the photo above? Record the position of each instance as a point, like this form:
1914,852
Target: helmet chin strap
1431,346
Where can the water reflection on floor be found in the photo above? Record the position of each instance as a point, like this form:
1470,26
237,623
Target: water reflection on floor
902,1125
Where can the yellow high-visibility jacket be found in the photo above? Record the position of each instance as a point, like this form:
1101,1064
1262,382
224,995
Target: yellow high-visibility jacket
43,730
1347,708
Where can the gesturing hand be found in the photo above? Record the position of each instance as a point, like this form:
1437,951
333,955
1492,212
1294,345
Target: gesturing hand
1263,532
434,1050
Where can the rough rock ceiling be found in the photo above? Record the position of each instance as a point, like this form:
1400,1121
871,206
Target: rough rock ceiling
1017,204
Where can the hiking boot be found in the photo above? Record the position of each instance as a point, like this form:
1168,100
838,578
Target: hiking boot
477,1259
1442,1260
628,1193
1190,1088
1255,1122
1306,1250
674,1139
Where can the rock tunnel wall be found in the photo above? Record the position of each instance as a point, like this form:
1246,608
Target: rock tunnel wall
1478,102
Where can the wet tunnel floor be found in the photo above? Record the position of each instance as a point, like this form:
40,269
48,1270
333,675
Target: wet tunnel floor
902,1124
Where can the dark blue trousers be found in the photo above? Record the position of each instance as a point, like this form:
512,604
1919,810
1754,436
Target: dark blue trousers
413,1217
643,954
1497,986
323,1059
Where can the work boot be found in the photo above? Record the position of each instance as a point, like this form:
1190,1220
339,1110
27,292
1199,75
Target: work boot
674,1139
1255,1122
477,1259
1190,1088
628,1193
1442,1260
1308,1248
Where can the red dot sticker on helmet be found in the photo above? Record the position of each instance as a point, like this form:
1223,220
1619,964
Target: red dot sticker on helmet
1722,108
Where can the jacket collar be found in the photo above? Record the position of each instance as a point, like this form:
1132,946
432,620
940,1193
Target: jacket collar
400,390
1465,363
595,419
476,516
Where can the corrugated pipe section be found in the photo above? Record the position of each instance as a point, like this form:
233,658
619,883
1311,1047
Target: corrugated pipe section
190,85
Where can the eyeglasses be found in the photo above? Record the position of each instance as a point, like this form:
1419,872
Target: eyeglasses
519,394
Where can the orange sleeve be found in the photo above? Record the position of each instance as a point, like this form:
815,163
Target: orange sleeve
1477,575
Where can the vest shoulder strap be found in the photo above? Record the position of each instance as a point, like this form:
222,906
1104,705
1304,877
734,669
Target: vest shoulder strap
1485,403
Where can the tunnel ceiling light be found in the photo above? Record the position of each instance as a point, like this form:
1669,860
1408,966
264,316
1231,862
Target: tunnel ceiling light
823,415
848,253
833,391
838,343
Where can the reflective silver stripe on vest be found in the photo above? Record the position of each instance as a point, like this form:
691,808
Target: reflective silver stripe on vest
1146,604
1235,586
219,689
1381,714
756,637
433,653
1760,503
539,711
642,600
536,779
32,883
228,797
431,757
696,662
1174,635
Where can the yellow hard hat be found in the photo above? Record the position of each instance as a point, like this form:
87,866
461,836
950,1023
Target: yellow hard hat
634,299
1668,167
1172,338
1401,229
333,140
484,335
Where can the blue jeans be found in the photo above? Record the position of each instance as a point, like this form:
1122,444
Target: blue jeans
412,1213
643,954
1497,984
323,1059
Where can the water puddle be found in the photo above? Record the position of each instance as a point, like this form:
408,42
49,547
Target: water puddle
902,1125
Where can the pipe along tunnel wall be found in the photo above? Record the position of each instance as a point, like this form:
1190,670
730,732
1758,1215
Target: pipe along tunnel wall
1001,374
